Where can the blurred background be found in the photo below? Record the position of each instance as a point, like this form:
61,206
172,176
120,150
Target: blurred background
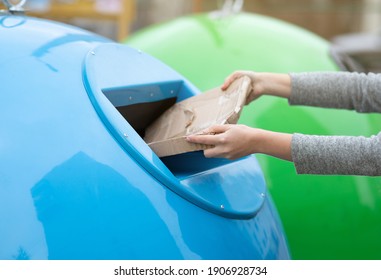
325,217
118,18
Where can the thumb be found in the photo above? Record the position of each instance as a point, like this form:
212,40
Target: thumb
230,79
216,129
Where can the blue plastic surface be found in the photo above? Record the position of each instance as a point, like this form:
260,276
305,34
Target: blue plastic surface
72,186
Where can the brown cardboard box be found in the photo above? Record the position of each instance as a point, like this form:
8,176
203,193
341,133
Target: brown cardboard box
166,136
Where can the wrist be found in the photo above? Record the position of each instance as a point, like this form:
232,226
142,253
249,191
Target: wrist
259,138
273,84
273,143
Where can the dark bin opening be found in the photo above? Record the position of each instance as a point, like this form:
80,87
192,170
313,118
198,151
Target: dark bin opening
142,104
141,115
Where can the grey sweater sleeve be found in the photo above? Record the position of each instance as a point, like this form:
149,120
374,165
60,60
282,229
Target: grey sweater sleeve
344,90
344,155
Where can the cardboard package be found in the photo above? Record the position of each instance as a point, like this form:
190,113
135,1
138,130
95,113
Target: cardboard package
166,135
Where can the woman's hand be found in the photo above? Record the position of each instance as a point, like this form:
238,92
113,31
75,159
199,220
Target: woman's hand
228,141
262,83
256,90
235,141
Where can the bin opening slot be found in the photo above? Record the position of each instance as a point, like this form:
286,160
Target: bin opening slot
140,105
141,115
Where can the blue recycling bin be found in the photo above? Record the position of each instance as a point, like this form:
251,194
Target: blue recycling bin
77,180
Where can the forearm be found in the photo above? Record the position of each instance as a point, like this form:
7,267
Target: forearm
341,155
273,84
235,141
272,143
343,90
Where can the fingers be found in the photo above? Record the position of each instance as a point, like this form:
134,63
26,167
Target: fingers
214,152
210,140
230,79
209,136
202,139
216,129
214,137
